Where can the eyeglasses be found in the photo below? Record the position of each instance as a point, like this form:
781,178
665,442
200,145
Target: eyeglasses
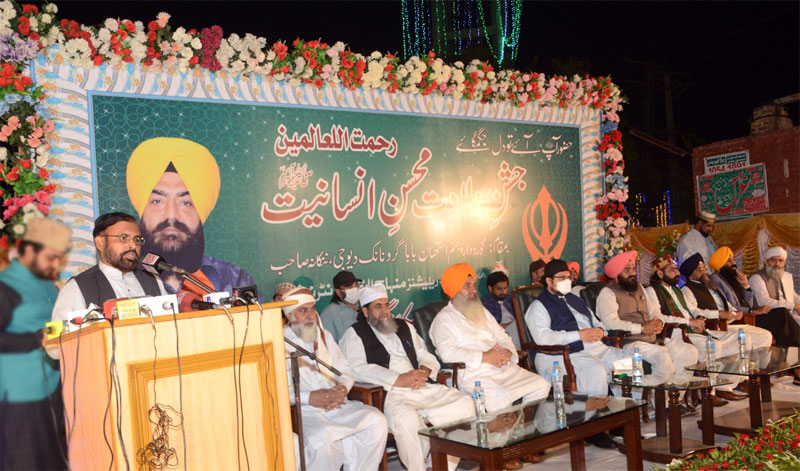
561,277
138,240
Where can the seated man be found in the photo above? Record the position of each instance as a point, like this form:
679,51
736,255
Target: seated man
574,274
663,291
341,312
336,431
464,331
773,286
383,350
704,299
558,317
498,303
623,305
733,284
119,244
536,269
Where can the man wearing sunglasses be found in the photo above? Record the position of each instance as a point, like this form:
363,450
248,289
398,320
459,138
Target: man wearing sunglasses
119,243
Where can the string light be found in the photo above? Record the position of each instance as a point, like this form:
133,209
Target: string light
404,22
505,40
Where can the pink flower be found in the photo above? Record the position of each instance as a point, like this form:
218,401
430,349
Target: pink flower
34,142
42,208
162,19
37,133
31,120
13,123
43,197
49,126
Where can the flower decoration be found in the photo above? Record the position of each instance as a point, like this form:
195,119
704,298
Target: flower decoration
27,29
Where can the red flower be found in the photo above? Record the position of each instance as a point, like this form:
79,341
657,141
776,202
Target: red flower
25,163
318,82
4,242
24,25
30,9
50,188
347,63
98,60
43,173
285,69
194,60
769,456
13,175
130,26
152,26
152,36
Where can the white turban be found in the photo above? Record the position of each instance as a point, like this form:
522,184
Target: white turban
367,294
776,251
301,298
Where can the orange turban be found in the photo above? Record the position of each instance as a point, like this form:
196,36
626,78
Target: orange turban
720,257
617,263
574,266
193,162
454,277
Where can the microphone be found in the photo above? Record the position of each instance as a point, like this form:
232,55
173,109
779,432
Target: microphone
203,305
155,264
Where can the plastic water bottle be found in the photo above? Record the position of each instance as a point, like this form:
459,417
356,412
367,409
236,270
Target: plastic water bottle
638,369
483,434
561,415
480,402
711,358
742,344
557,380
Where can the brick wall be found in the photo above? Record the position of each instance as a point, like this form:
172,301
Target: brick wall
779,150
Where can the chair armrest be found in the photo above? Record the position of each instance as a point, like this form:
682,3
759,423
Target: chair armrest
454,367
552,349
367,393
672,325
749,319
443,376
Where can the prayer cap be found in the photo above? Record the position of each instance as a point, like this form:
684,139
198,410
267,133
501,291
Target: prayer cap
662,262
367,294
284,287
192,161
720,257
707,216
454,277
555,266
690,265
617,263
48,232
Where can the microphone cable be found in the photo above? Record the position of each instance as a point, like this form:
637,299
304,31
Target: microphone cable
180,383
266,364
235,392
241,399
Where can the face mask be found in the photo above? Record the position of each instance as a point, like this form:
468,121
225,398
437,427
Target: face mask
351,295
564,286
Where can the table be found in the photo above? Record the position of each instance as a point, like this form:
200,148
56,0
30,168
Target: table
533,427
759,365
663,448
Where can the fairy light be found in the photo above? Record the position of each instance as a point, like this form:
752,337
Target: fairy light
668,199
469,22
505,40
404,22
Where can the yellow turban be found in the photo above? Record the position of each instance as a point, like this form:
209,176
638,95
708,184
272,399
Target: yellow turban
193,162
454,277
720,257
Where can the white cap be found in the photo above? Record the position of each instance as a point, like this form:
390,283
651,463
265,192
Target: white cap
367,294
707,216
776,251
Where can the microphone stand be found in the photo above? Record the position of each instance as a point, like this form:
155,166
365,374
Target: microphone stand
295,355
190,278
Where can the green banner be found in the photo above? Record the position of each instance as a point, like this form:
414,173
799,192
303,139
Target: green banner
308,192
734,194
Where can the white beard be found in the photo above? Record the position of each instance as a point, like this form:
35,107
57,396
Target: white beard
307,333
472,309
775,273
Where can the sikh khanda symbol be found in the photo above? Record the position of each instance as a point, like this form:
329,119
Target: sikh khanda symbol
551,234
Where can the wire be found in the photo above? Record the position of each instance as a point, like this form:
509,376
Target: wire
116,388
241,400
53,413
180,383
266,364
235,394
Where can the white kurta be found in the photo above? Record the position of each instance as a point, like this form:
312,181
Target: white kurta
789,297
670,359
756,337
593,364
459,340
353,435
405,407
693,242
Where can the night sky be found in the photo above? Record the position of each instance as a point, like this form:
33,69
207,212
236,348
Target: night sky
725,57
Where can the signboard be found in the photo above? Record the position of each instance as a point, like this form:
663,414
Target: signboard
727,162
735,193
394,198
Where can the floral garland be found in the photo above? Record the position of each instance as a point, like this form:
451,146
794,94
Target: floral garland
775,446
158,48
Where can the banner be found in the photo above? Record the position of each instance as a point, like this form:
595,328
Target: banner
726,162
735,193
394,198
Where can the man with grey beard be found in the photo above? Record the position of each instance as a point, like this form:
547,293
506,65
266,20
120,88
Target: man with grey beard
383,350
464,331
336,432
772,286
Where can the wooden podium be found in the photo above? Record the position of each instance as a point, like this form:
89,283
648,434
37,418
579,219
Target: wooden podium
206,366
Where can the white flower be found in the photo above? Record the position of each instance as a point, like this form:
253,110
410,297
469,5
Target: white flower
196,43
42,157
187,53
104,35
271,55
3,154
51,8
18,229
111,24
2,224
375,55
34,23
47,18
179,35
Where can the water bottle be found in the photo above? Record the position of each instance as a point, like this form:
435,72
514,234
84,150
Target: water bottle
638,369
711,359
742,344
480,402
561,415
557,381
483,434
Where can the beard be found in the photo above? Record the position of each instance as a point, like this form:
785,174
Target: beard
306,332
471,307
671,281
706,281
386,326
501,297
184,250
122,261
42,273
775,273
729,273
628,284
